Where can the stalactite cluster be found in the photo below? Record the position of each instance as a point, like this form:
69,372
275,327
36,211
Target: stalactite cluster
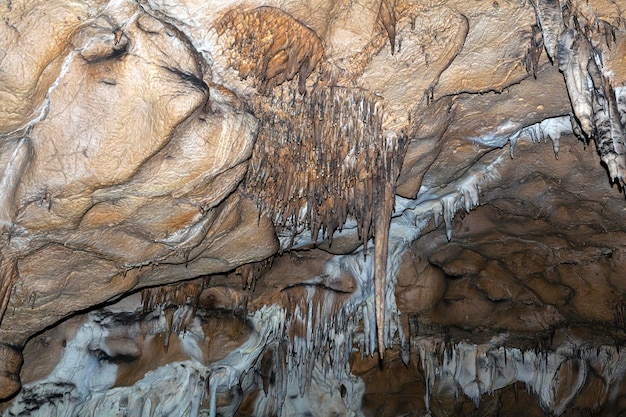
576,38
250,273
560,376
313,332
270,45
179,294
177,302
321,158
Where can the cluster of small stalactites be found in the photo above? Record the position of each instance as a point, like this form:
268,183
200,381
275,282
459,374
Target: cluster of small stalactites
251,272
181,293
320,158
557,376
176,302
320,155
317,324
271,46
576,38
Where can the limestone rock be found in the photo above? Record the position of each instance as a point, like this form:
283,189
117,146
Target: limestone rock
228,208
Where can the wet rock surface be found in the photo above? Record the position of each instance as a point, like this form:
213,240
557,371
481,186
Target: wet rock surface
369,208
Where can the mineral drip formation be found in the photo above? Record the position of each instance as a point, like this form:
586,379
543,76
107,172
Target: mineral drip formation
576,38
387,18
322,157
270,45
178,303
556,376
315,377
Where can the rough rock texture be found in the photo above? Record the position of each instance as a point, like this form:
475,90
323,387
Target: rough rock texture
338,207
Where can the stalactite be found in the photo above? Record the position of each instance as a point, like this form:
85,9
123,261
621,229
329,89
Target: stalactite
445,202
250,273
550,19
609,130
573,55
319,159
178,304
387,18
179,294
382,224
169,318
323,157
531,61
270,45
579,34
556,376
552,128
316,319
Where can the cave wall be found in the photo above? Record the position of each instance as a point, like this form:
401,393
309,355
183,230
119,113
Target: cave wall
276,205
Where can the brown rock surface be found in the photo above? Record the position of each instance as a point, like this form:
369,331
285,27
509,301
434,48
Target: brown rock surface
238,161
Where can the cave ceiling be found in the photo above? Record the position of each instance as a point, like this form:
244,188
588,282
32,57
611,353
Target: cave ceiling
312,208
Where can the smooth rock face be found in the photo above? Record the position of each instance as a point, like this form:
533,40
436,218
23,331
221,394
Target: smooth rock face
233,208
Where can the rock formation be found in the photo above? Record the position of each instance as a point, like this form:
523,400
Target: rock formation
339,207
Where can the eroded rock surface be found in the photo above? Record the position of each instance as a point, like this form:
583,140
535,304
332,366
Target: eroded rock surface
239,208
